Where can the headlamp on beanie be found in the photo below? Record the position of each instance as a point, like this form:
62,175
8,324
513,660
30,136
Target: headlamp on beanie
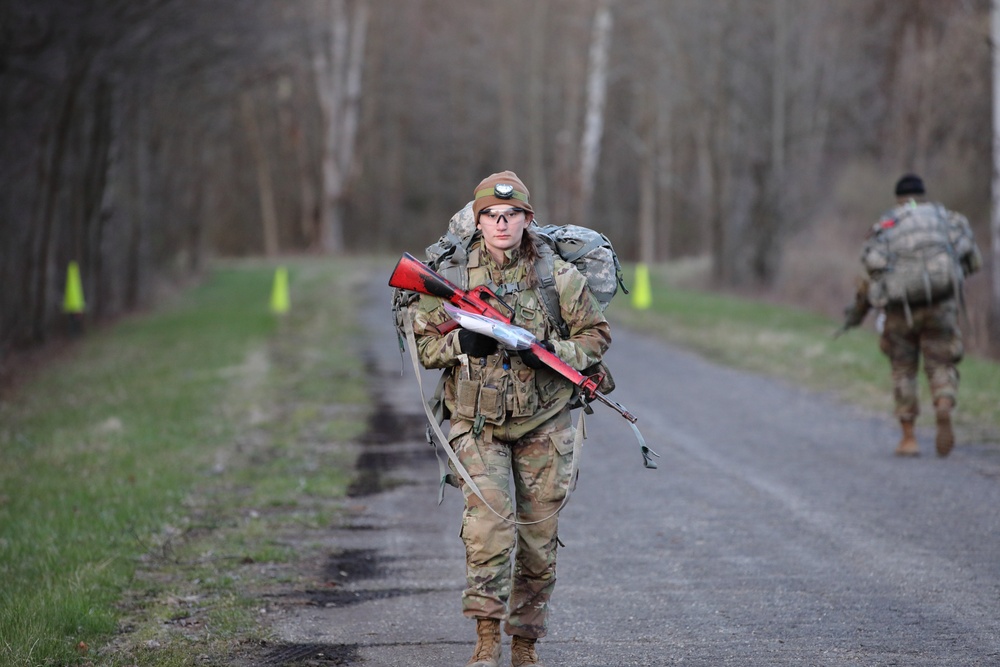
501,188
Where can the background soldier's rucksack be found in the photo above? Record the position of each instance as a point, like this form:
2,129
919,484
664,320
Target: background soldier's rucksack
914,256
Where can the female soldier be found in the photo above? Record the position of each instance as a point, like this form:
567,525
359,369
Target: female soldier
511,414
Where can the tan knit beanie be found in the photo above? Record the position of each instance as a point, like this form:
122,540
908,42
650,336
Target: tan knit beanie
500,188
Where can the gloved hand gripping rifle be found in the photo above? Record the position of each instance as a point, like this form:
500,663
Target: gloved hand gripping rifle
415,276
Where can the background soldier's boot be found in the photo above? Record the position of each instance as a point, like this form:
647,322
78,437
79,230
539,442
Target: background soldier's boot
908,444
522,652
945,439
487,651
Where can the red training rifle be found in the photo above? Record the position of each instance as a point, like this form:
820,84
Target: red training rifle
415,276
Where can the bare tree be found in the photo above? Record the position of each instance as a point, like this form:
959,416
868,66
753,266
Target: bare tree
593,128
268,214
339,62
995,210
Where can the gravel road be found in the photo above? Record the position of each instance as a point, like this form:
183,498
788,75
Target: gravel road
778,530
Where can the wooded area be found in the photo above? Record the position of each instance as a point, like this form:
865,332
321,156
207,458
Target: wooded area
143,137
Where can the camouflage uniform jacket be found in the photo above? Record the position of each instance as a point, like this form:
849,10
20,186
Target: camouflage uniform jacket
500,388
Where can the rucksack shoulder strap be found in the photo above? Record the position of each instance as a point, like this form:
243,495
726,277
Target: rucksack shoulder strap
454,261
545,269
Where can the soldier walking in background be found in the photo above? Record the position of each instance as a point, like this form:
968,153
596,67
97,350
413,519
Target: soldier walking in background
915,259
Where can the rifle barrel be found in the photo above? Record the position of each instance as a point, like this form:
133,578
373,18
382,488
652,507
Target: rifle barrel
617,407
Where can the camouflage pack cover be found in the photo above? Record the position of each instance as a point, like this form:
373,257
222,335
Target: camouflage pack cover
462,225
592,254
912,257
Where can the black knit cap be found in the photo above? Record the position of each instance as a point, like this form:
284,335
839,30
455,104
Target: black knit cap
910,184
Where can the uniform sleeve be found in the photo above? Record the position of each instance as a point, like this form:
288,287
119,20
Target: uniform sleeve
434,349
855,313
964,243
589,331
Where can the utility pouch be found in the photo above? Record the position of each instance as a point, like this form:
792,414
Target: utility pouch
466,394
524,395
491,404
481,394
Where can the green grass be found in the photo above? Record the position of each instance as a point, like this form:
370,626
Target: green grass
137,447
798,346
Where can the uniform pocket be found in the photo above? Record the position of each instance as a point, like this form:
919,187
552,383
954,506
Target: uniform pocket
548,384
525,394
563,440
466,448
555,480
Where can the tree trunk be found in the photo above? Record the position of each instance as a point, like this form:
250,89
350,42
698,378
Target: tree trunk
995,213
265,190
778,87
291,125
769,212
51,182
537,33
140,193
593,129
97,197
647,178
339,68
718,144
664,168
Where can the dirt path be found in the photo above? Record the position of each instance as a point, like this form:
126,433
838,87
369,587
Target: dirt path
779,530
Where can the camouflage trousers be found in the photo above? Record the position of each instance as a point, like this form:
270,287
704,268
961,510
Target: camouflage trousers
935,336
508,563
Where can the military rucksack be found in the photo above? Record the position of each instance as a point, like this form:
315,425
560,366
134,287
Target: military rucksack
589,251
915,256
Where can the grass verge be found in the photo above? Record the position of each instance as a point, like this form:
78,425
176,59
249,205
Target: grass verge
144,478
798,346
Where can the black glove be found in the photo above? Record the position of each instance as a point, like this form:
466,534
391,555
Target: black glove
531,360
475,344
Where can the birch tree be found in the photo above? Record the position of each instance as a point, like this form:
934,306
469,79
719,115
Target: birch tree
338,63
593,128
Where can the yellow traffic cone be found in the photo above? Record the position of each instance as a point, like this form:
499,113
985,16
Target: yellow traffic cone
642,298
279,292
73,298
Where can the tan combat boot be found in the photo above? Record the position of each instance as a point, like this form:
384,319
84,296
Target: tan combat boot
522,652
945,438
487,651
908,444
